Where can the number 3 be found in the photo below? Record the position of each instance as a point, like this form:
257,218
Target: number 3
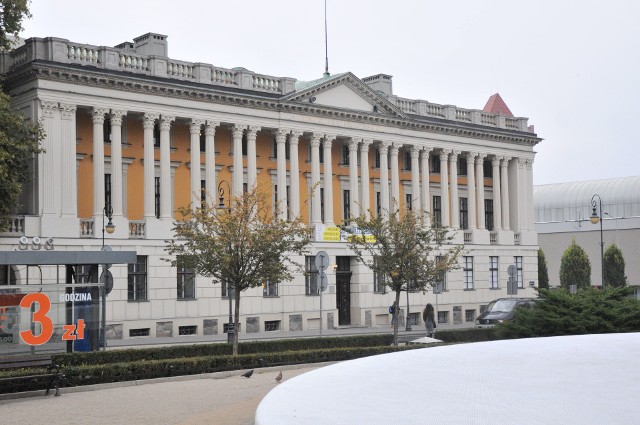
39,316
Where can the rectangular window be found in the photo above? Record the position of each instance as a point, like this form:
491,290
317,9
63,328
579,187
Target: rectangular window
441,278
378,204
406,156
203,142
469,315
186,284
322,204
156,135
346,204
311,275
488,213
493,273
138,332
443,317
269,289
487,168
462,166
345,155
376,159
106,130
225,289
286,150
107,189
435,164
137,279
244,144
437,210
187,330
468,273
408,201
271,325
519,276
157,195
203,193
464,213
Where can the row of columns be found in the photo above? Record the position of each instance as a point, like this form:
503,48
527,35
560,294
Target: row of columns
520,181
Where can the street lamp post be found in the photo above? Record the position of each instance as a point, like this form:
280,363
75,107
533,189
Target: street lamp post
221,206
110,228
595,218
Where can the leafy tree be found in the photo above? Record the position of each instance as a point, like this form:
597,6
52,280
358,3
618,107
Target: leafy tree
19,141
403,248
543,274
243,246
12,12
589,311
614,267
575,268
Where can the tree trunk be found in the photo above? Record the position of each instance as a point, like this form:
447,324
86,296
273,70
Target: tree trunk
396,315
236,322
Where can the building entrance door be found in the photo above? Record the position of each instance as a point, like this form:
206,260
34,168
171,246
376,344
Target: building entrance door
343,290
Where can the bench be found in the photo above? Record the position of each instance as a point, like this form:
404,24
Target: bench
53,376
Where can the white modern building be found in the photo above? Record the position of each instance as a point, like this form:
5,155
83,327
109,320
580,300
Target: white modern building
562,214
131,128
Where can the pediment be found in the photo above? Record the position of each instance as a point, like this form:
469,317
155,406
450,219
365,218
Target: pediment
344,91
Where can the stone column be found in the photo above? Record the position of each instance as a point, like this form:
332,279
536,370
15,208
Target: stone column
364,176
444,186
480,190
453,193
281,172
471,189
210,161
97,115
238,172
116,163
529,191
354,206
165,167
504,187
395,175
328,179
69,183
316,213
195,127
384,178
252,168
497,201
148,122
294,173
47,161
415,178
425,192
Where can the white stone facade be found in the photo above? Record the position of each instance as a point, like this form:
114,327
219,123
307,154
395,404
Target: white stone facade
73,88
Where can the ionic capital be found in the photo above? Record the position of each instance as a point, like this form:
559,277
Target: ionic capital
294,137
237,131
453,156
252,132
505,161
68,111
281,135
383,147
97,115
149,120
315,139
364,146
353,144
48,108
521,162
165,122
116,117
444,154
480,158
195,126
415,151
495,161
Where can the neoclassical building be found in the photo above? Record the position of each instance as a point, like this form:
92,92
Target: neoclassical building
129,128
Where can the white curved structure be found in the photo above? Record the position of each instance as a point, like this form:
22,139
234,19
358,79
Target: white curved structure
587,379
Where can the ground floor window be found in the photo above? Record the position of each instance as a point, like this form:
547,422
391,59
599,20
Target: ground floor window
469,315
311,275
443,317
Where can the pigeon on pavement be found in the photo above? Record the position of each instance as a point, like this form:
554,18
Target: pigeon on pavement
248,374
279,377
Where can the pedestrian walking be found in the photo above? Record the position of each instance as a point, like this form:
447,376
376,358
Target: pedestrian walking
429,320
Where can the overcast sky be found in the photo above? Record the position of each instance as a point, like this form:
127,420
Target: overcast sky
571,67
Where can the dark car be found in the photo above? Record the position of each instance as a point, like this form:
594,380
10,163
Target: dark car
502,309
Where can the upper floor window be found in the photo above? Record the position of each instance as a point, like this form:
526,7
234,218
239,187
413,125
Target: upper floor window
464,213
437,210
344,157
493,272
346,204
462,166
488,213
468,272
519,275
137,279
269,289
434,164
406,160
487,168
186,282
376,159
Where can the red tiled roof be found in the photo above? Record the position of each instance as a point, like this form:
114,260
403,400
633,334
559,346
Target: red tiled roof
495,105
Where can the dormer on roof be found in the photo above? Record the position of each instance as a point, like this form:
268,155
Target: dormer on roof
151,44
495,105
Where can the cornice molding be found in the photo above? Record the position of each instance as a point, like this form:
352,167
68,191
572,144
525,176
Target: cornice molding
135,84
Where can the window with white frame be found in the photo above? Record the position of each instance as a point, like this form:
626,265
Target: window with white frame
493,273
186,282
464,213
137,279
519,276
269,289
441,277
437,210
468,272
408,201
344,157
443,317
346,204
406,160
311,275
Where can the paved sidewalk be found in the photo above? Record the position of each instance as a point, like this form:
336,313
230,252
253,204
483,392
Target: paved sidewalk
223,398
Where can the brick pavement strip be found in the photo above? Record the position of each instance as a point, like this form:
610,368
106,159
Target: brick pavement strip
224,398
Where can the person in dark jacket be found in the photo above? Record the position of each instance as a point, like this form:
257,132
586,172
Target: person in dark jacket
429,320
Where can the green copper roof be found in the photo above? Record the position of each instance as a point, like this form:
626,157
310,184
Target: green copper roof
304,85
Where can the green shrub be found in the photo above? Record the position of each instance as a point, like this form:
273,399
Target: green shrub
466,335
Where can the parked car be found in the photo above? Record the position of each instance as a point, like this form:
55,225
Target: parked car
502,309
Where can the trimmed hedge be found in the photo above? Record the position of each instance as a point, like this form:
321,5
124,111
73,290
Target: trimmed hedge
467,335
65,360
148,369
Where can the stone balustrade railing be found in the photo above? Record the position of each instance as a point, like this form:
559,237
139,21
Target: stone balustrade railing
64,51
516,238
493,238
87,228
450,112
16,226
468,236
137,229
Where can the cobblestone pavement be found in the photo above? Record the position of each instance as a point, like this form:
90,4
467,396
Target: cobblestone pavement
218,398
